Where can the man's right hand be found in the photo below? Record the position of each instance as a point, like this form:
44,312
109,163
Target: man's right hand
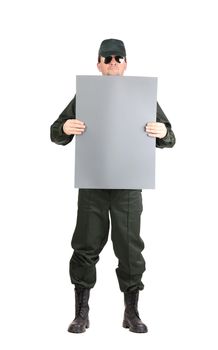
73,127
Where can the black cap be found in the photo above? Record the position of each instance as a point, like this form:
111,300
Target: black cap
110,47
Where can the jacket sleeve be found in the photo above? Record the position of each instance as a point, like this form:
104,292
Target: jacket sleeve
56,130
169,140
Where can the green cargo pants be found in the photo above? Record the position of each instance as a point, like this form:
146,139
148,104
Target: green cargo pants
91,234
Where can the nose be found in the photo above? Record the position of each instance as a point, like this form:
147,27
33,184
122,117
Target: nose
113,61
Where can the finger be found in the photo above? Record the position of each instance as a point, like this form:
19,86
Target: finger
155,125
80,127
74,131
75,125
77,128
77,131
151,124
154,128
151,135
154,133
78,121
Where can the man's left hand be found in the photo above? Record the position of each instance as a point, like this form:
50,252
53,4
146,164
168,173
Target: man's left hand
155,129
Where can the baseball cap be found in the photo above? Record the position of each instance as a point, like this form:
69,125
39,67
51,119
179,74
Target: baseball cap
110,47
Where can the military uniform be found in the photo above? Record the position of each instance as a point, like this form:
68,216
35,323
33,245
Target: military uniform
92,227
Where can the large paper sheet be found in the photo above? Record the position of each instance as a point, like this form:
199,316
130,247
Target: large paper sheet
115,152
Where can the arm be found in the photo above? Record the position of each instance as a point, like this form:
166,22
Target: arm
169,140
56,131
161,129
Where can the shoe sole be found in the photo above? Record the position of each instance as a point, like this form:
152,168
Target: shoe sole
134,330
79,330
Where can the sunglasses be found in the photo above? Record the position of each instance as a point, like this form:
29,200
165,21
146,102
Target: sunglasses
118,59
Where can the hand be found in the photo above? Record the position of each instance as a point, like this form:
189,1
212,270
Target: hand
73,127
155,129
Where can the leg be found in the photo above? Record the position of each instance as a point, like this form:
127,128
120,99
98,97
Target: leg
90,236
126,209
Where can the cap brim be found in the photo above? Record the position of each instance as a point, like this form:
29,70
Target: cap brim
112,52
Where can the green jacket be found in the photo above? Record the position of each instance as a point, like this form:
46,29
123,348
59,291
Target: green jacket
58,136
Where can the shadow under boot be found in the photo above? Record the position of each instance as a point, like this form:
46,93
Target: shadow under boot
131,315
81,320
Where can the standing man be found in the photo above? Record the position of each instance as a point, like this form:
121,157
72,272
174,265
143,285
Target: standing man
94,205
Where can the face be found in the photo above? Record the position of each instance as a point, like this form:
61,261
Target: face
112,68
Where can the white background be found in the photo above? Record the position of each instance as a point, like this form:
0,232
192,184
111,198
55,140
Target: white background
44,45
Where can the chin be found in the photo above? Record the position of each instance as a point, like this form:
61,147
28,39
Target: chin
114,73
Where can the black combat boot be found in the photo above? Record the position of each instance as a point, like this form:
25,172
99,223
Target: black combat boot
131,316
81,320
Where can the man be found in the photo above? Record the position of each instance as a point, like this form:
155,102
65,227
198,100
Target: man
94,205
